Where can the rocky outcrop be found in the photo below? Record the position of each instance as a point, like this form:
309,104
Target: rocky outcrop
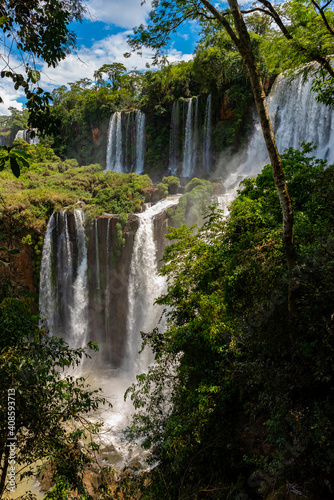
96,134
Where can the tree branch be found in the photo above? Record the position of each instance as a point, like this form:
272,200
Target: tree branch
222,20
274,14
257,9
321,60
323,15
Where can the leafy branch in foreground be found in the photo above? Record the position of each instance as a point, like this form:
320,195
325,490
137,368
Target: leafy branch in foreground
31,31
17,159
50,404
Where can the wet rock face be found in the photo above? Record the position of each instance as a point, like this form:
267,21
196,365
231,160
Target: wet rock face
161,224
20,270
96,134
108,273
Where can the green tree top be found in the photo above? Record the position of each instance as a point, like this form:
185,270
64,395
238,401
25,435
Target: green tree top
113,71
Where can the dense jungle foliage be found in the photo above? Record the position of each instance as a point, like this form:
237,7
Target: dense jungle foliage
84,107
239,403
241,396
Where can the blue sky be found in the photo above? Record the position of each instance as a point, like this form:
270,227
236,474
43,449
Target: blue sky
101,39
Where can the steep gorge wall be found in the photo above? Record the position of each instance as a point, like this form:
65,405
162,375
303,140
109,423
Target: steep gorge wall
108,284
85,291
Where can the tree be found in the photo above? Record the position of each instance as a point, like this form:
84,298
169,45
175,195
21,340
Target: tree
38,401
165,17
305,35
113,71
227,377
306,31
33,30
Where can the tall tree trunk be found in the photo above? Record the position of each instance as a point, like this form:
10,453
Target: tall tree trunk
245,48
242,41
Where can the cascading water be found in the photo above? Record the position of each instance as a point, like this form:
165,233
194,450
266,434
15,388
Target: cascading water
207,136
107,295
140,141
25,135
63,280
145,285
46,286
79,308
194,148
174,139
111,142
114,148
187,149
296,117
97,255
142,285
126,142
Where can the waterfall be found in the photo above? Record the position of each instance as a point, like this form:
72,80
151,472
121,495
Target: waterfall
207,136
296,117
63,280
46,286
114,317
126,154
79,309
111,142
140,141
145,285
119,152
174,139
63,270
194,148
107,299
97,256
187,149
114,148
25,135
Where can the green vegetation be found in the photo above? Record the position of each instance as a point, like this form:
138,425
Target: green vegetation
48,408
191,205
84,111
50,184
239,402
242,385
10,125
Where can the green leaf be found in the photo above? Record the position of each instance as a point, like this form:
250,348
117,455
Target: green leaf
13,252
34,76
3,20
18,156
15,166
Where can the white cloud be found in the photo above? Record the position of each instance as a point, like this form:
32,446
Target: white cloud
9,97
105,51
124,13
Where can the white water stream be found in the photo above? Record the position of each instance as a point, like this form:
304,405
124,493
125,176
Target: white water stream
144,286
296,117
140,141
